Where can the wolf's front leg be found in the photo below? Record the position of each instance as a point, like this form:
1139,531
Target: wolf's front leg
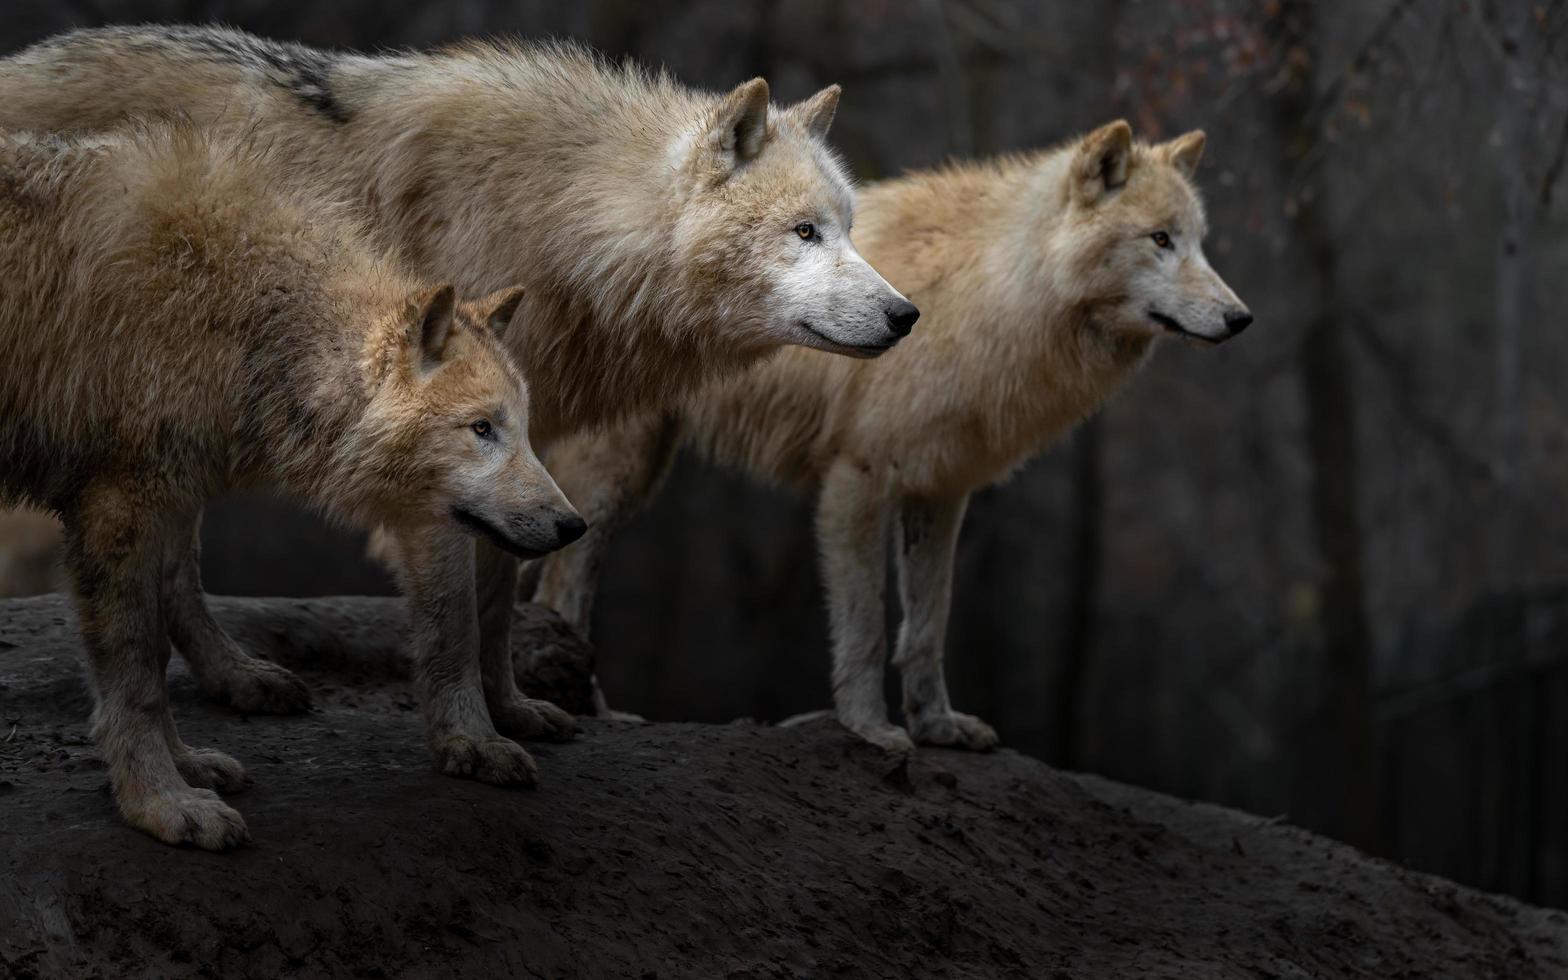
113,550
224,670
609,477
926,541
438,574
513,713
852,523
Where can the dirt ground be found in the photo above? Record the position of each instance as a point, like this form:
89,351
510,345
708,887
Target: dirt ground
665,851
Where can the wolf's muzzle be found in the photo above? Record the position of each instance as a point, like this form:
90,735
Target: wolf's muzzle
526,535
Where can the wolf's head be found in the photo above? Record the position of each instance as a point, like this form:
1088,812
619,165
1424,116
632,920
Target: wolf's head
451,416
1134,239
765,227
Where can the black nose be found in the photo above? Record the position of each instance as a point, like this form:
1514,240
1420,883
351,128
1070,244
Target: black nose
1237,321
569,528
901,318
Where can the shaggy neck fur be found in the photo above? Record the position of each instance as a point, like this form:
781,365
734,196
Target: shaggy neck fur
585,222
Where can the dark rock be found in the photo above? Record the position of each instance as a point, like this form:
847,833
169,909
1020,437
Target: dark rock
668,850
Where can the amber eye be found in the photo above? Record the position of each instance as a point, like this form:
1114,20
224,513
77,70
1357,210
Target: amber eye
1161,239
807,231
483,429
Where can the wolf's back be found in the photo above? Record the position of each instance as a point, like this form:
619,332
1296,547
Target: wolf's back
92,80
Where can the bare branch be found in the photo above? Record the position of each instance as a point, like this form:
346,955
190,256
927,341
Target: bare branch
1554,169
967,17
1359,62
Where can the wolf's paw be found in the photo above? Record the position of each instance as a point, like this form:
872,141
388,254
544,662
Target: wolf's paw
527,718
259,687
493,759
188,816
211,769
888,738
624,717
807,717
955,730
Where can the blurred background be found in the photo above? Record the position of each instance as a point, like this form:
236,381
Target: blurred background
1319,573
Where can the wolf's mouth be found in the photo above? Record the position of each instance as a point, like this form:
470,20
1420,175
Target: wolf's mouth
479,527
1171,325
852,350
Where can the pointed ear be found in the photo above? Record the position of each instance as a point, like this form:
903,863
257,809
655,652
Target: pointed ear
740,122
1184,151
1101,161
429,320
499,307
816,113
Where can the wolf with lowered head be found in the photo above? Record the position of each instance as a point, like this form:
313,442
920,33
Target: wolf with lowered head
177,324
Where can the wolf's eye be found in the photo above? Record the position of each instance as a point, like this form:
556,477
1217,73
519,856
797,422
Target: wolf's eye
1161,239
483,429
807,231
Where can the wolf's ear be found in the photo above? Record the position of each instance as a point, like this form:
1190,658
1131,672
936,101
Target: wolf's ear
429,323
816,113
1101,161
1184,151
498,308
740,122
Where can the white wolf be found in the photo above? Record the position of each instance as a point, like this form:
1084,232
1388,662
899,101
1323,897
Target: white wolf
1045,278
665,237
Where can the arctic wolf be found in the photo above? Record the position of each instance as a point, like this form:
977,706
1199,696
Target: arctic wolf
1045,280
665,236
175,326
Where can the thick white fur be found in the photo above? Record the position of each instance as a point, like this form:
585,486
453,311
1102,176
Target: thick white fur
1044,279
654,227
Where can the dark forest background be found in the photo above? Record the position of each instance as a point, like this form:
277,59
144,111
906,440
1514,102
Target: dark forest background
1321,572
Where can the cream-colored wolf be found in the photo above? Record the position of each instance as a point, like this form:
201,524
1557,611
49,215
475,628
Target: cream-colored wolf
176,325
1045,279
665,237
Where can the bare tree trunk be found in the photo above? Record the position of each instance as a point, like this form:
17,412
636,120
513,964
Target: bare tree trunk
1331,441
1084,566
1088,512
954,80
1513,274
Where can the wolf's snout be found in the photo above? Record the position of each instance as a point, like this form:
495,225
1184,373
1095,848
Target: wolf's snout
546,530
570,527
901,317
1237,320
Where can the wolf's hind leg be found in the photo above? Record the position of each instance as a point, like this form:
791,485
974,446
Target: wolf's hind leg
224,670
513,713
926,541
609,477
114,551
852,525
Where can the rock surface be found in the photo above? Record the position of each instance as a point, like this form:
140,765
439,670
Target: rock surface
664,850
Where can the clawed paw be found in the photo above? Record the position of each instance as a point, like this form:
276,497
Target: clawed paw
260,687
954,729
189,816
888,738
526,718
211,769
490,759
